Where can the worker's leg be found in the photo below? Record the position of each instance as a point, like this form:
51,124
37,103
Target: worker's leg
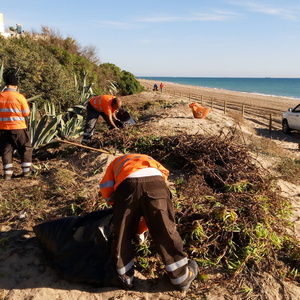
23,145
91,120
6,151
126,216
159,214
105,118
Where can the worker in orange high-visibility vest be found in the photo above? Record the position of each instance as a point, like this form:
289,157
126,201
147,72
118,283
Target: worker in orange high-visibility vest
105,106
135,185
14,134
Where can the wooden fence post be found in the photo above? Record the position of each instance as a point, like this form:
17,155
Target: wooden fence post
212,103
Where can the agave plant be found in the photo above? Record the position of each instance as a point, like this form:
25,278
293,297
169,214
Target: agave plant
112,87
1,76
72,127
86,91
44,129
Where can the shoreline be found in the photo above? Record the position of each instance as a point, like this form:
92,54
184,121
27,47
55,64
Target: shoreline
160,79
254,99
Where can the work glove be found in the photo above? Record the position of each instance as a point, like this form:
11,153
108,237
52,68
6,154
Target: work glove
119,123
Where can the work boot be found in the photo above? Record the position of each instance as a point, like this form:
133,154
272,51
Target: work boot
7,176
193,271
26,174
125,281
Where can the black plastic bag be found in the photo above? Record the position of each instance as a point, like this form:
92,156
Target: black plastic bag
125,117
79,248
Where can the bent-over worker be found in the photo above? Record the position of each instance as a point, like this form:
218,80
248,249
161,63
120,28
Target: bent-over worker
14,134
106,106
135,184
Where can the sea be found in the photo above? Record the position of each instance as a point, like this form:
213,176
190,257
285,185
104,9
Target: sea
283,87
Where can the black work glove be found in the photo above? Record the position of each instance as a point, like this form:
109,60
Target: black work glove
119,123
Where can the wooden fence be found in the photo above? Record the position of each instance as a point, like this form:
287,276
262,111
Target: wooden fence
266,116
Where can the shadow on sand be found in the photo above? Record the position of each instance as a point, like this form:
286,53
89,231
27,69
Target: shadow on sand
23,265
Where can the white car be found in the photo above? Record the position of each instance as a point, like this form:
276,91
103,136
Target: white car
291,119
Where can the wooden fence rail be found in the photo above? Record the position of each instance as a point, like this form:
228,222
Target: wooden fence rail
269,116
264,115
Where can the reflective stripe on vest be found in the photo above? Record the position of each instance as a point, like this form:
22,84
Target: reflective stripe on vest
14,110
12,119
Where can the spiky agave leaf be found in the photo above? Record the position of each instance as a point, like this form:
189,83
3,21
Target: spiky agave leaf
44,130
1,72
112,87
31,99
45,134
72,128
32,121
86,94
39,128
76,109
49,108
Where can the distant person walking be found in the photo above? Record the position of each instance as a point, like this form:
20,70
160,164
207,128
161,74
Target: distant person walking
14,134
105,106
161,86
155,87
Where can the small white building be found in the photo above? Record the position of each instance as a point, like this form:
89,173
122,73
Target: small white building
1,23
6,32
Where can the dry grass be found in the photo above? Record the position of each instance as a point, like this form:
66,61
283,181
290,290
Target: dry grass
289,169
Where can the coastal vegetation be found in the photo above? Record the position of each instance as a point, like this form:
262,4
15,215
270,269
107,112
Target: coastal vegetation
58,77
54,68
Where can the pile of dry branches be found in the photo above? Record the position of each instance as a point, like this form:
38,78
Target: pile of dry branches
229,210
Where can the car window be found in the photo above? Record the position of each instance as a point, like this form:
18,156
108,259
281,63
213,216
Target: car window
297,108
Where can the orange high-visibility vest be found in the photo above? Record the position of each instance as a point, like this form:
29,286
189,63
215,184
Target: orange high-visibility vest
103,103
13,110
121,167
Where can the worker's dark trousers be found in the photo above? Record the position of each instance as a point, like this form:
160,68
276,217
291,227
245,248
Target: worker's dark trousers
91,120
151,198
17,139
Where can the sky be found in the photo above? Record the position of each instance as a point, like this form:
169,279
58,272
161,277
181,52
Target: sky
191,38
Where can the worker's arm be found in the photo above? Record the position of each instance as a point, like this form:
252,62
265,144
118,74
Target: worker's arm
107,184
117,122
112,117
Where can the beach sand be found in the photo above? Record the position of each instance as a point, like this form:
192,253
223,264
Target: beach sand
257,100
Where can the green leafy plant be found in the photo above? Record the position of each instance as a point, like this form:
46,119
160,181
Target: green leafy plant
85,91
44,129
71,128
111,88
1,76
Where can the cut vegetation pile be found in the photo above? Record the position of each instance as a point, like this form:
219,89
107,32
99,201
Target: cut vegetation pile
229,211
